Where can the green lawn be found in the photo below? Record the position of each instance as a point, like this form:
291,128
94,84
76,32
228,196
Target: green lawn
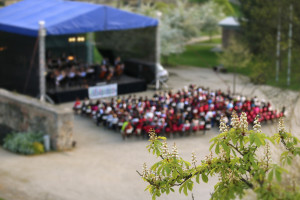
199,55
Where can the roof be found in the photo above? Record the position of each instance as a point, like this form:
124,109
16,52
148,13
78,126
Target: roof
67,17
229,21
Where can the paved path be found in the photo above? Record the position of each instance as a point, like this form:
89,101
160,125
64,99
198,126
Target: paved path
103,166
201,39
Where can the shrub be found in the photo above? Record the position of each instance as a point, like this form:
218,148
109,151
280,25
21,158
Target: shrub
38,148
24,143
236,162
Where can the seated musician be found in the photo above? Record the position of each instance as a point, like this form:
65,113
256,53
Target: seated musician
119,67
103,71
110,74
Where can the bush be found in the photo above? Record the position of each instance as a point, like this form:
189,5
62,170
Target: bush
38,148
260,72
24,143
241,159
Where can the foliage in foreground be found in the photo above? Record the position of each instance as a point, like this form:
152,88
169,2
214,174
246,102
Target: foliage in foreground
24,143
236,163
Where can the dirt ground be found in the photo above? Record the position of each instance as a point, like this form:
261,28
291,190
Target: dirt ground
103,166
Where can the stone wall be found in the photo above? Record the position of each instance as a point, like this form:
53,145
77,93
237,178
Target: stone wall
23,113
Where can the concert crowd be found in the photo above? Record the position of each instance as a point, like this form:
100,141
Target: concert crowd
186,111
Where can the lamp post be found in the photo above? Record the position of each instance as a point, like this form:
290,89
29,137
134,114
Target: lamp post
42,59
158,48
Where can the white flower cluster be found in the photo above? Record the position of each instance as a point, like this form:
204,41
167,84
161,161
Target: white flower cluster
194,159
152,135
235,121
257,126
281,126
156,178
222,154
244,122
267,158
223,127
175,151
146,172
165,150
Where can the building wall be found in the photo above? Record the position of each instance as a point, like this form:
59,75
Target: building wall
227,35
22,113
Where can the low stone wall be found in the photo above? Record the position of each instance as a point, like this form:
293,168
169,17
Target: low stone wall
23,113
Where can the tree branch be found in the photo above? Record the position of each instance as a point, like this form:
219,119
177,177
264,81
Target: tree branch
247,183
236,149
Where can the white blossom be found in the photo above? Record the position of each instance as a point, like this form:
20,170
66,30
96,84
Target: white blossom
257,126
244,122
165,150
175,151
223,127
194,159
235,121
281,126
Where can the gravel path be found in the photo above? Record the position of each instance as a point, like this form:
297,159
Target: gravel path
103,166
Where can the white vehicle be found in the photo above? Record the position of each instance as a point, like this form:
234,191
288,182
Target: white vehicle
161,73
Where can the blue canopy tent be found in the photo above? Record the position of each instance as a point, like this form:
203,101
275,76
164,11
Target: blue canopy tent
67,17
19,32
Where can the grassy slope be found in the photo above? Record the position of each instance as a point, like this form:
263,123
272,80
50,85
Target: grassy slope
198,55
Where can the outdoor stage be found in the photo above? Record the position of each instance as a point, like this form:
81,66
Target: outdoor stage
125,85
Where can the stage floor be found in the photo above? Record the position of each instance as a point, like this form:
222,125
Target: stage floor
126,84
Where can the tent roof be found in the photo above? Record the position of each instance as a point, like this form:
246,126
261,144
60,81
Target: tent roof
67,17
229,21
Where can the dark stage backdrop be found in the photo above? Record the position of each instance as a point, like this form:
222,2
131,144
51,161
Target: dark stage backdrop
19,63
137,48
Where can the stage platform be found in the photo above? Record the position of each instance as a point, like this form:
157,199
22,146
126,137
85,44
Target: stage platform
126,84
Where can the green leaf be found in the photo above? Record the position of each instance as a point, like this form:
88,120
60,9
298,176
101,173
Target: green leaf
270,175
197,178
211,146
252,138
181,187
190,185
217,150
257,142
172,189
185,190
168,170
278,174
204,178
186,163
289,160
167,190
162,138
225,147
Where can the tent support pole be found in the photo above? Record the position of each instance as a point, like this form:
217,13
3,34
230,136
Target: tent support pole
42,58
42,63
158,51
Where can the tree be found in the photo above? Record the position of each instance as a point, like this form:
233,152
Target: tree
236,55
210,14
265,30
180,22
236,162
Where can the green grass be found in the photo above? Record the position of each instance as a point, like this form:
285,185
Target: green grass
199,55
